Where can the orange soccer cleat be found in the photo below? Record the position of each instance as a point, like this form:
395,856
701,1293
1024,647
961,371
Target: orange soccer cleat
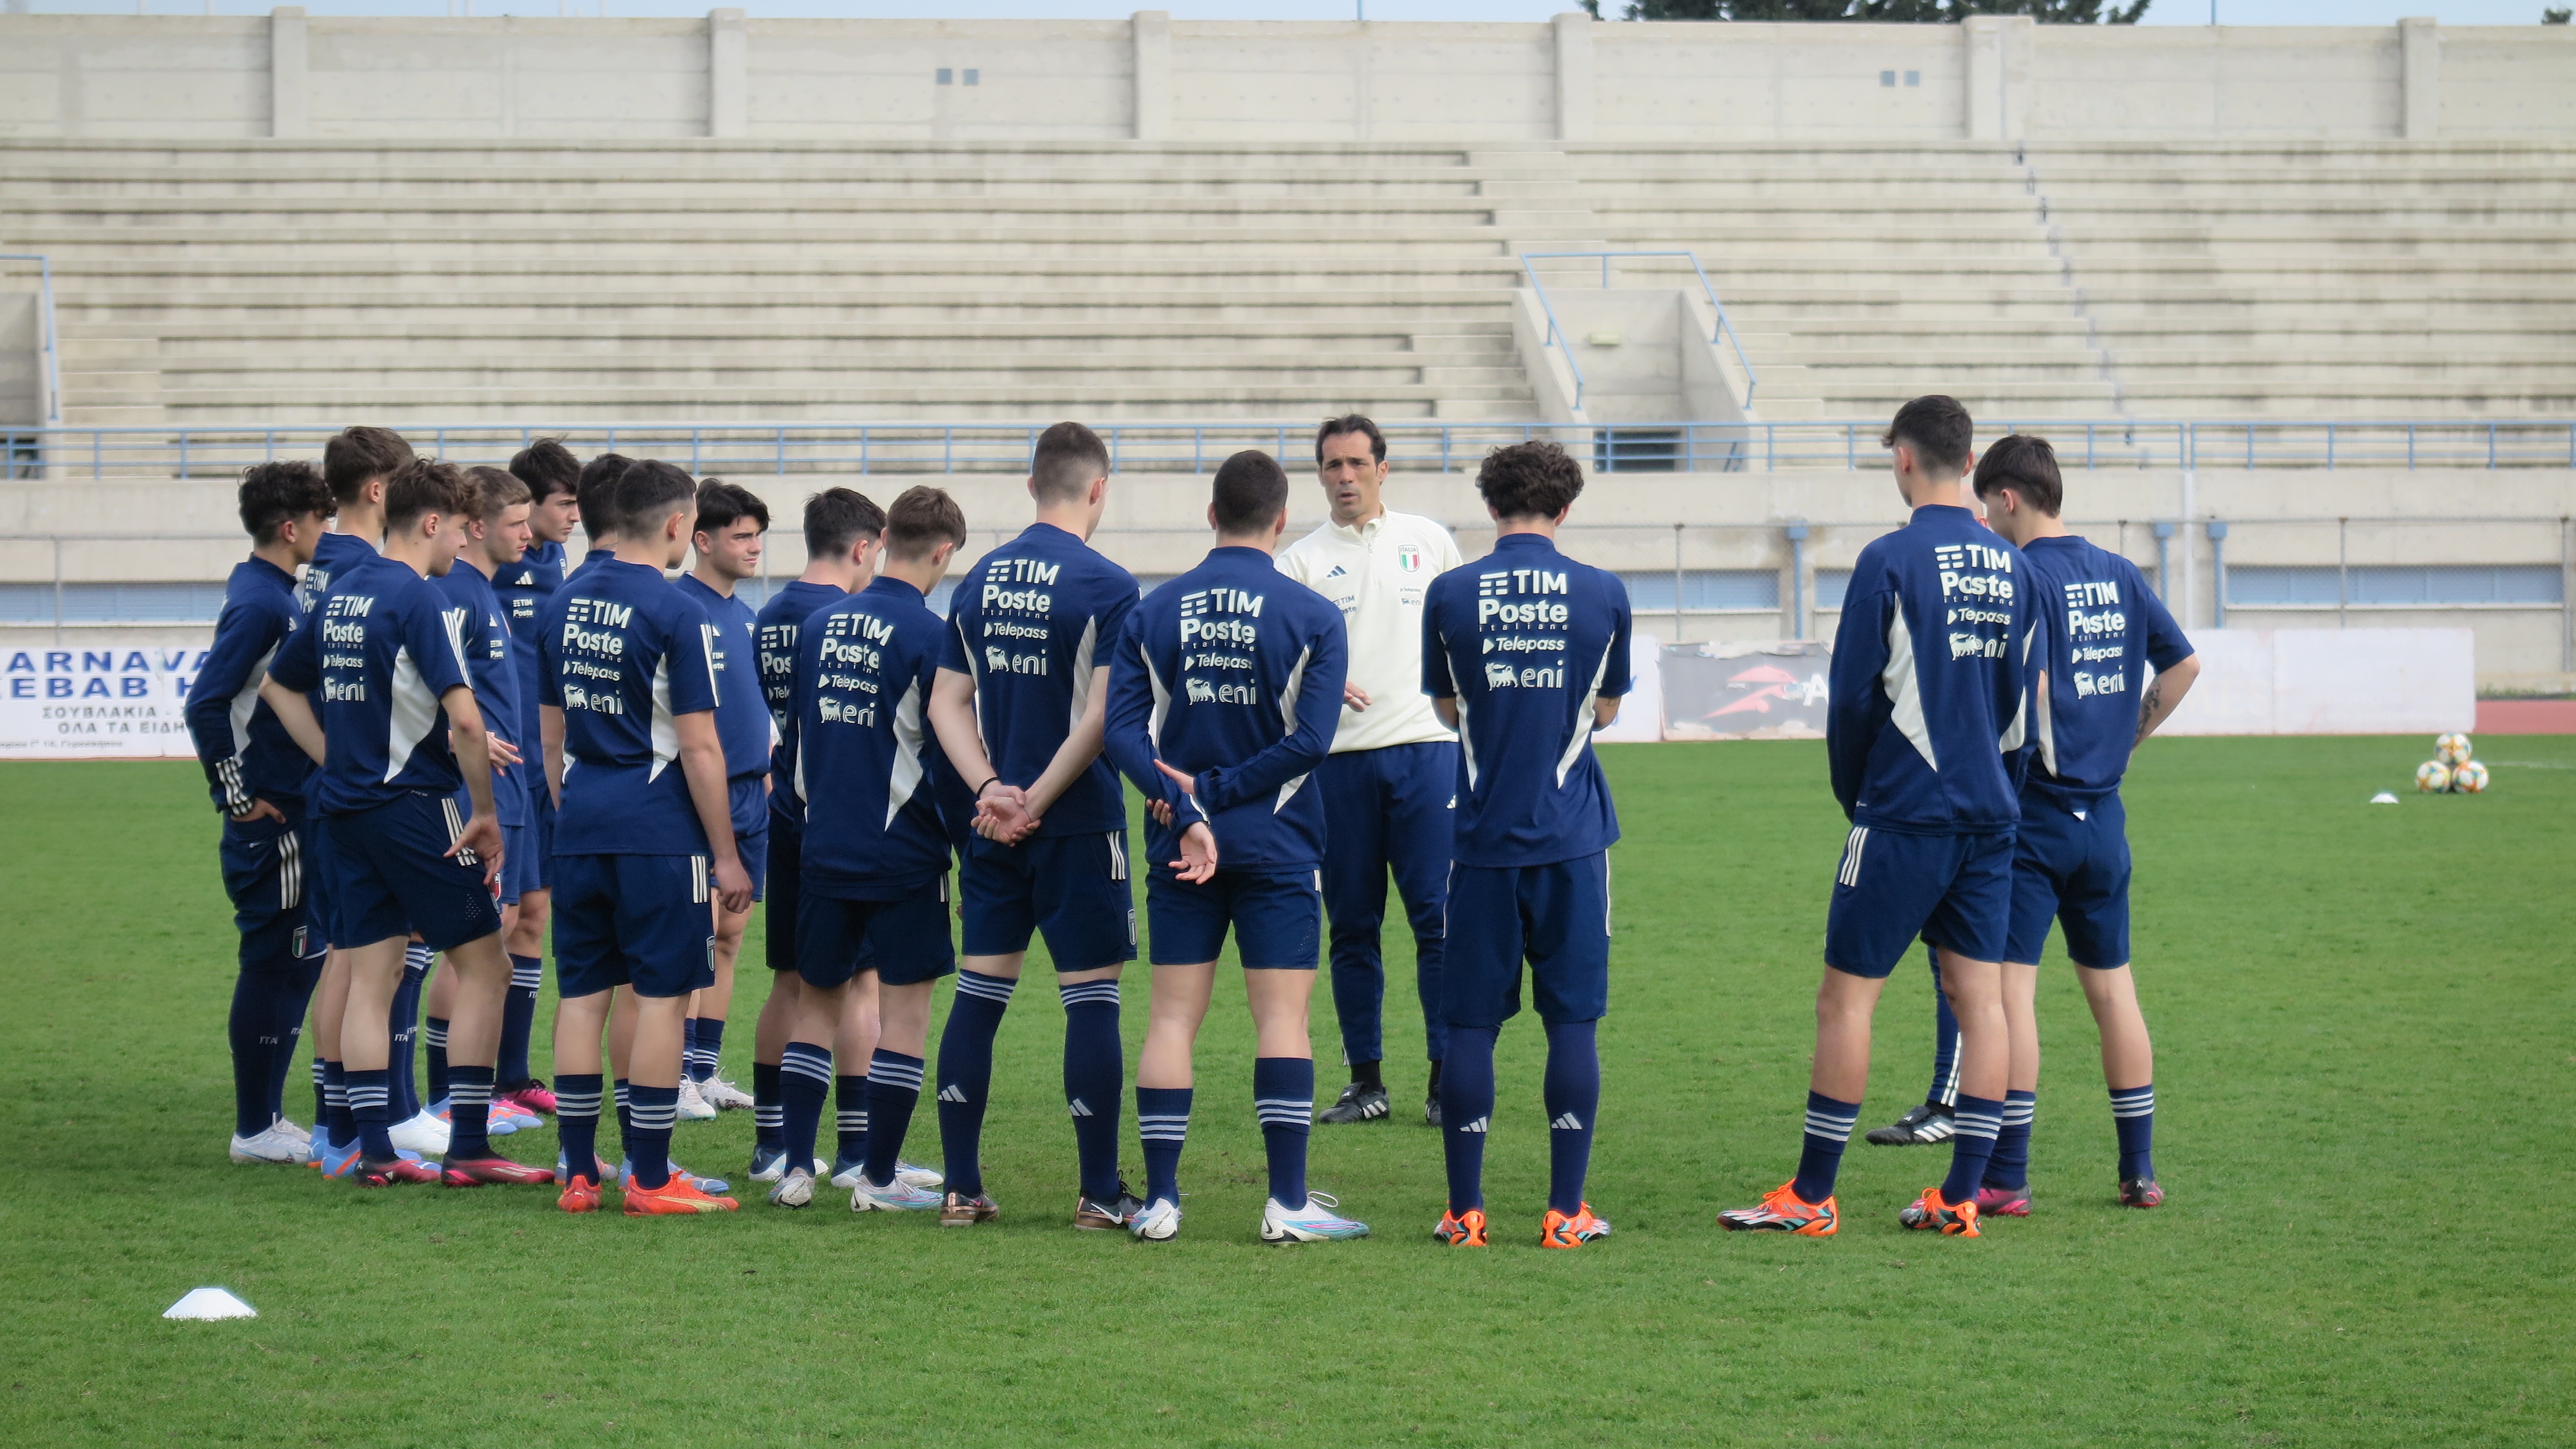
1952,1219
1462,1230
1560,1231
1783,1211
678,1197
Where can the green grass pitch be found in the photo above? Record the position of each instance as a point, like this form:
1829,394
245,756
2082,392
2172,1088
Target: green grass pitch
2362,1018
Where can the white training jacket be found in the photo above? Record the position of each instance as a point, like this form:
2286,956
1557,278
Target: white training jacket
1376,574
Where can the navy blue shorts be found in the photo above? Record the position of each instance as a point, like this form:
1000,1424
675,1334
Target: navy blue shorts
317,880
1072,887
786,852
1556,917
544,806
638,921
753,851
1950,891
2073,867
391,875
905,941
518,862
267,873
1277,915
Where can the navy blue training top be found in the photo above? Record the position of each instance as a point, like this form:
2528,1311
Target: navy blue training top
523,589
1231,673
864,753
2102,621
246,750
625,655
475,617
379,653
1934,664
333,554
1031,622
778,637
1525,639
742,715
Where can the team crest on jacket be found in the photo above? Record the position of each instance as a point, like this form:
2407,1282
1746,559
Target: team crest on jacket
1408,557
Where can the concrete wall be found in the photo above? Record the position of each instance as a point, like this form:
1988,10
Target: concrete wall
1158,79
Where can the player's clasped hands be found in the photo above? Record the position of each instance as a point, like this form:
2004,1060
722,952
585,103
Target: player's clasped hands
1002,814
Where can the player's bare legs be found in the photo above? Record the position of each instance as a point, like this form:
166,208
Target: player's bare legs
2129,1070
374,973
2005,1190
330,1008
580,1022
1177,1006
1844,1005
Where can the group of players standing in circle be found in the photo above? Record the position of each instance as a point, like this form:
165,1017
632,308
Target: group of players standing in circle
443,743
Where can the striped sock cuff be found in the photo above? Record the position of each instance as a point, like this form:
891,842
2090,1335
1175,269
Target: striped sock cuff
320,1077
527,973
652,1119
1830,1119
2134,1101
335,1096
434,1033
416,957
1088,993
468,1094
854,1120
768,1118
995,989
810,1062
625,1092
1979,1117
2020,1108
375,1098
1285,1112
894,1069
577,1096
1170,1128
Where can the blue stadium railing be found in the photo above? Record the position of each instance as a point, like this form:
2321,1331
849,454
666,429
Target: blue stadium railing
752,448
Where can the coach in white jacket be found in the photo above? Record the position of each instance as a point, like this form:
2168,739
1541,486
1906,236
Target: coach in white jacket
1392,777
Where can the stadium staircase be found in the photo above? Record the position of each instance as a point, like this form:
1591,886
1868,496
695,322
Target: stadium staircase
310,282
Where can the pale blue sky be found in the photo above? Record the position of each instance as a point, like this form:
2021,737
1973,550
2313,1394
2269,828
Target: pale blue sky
2162,12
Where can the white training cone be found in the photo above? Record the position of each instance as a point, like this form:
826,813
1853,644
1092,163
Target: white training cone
2383,798
210,1303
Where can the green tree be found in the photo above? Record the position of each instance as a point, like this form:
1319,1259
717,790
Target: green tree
1886,12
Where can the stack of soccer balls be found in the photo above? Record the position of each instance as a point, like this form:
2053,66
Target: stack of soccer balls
2451,770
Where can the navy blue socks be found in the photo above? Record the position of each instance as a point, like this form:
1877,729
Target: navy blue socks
804,1080
966,1074
469,1112
1820,1157
1283,1096
2009,1167
577,1122
706,1048
850,1116
894,1085
403,1030
1945,1042
1466,1110
2133,1115
252,1030
1163,1126
1980,1120
1095,1069
370,1096
518,1020
767,1130
335,1097
433,1036
1573,1095
652,1111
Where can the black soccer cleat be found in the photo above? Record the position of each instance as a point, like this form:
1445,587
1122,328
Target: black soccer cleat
1360,1103
1925,1125
1098,1217
1431,1110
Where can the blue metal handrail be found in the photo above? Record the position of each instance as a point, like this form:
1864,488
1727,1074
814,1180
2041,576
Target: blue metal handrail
1725,326
53,360
783,448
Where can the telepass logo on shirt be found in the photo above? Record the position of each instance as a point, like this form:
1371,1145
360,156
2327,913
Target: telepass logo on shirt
2097,631
851,642
1972,576
1220,643
344,642
1508,600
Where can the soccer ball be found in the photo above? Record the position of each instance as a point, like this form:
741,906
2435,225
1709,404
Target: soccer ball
2432,777
2469,778
2452,749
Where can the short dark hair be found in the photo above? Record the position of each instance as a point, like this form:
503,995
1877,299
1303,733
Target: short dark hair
1529,480
837,518
548,468
359,456
272,493
649,490
1068,456
429,485
2027,466
921,520
1939,430
1350,423
497,489
1250,490
595,492
722,504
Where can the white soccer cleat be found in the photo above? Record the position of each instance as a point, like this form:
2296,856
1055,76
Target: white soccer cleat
1316,1222
271,1145
421,1133
692,1105
724,1096
913,1174
287,1125
1160,1222
896,1197
793,1190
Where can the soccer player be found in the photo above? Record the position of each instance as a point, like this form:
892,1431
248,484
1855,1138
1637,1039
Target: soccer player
356,464
1022,695
640,847
551,476
844,530
398,732
1928,1122
1525,653
1390,781
1934,664
732,524
2107,631
1222,698
495,540
595,500
258,777
873,881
